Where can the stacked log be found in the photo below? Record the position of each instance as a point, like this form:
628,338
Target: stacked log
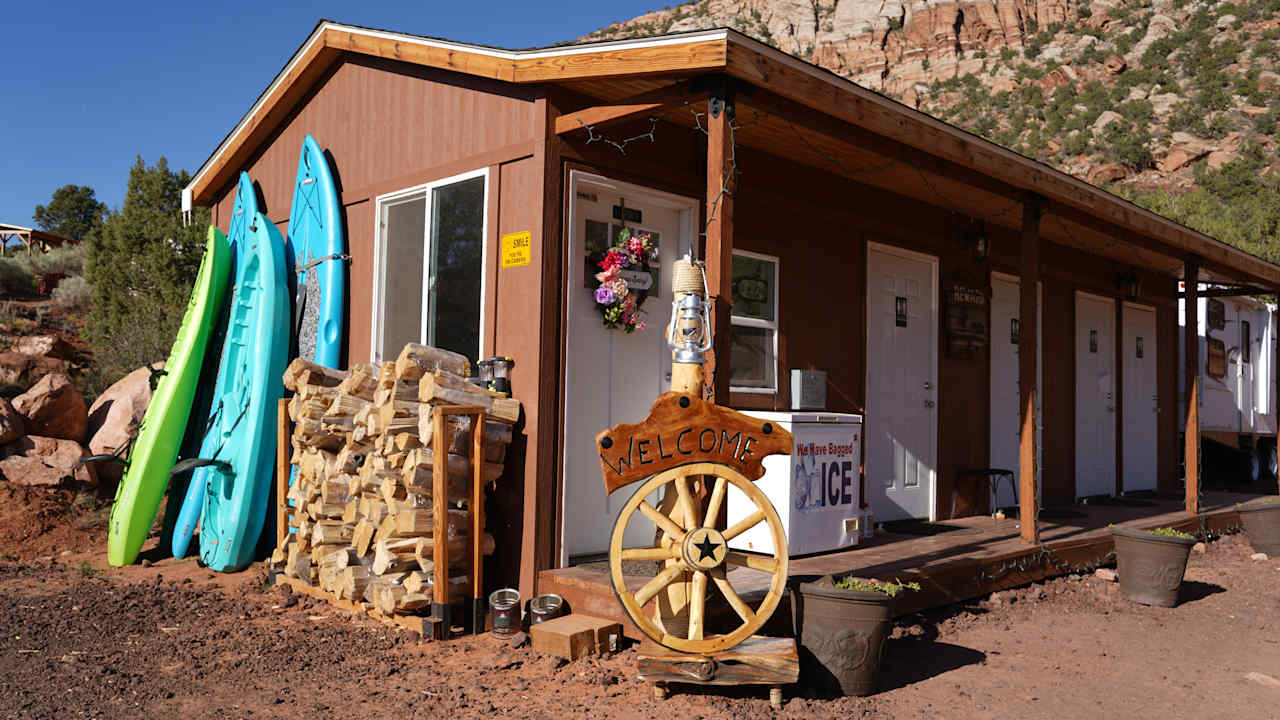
360,506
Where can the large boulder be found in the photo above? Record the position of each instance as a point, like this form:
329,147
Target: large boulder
44,346
36,460
12,425
54,407
116,415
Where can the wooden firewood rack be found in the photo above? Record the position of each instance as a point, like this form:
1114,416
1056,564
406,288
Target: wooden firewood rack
439,623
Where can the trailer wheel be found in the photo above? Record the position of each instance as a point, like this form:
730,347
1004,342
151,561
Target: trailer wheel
1255,466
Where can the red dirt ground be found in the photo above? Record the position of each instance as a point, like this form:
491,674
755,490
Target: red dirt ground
174,639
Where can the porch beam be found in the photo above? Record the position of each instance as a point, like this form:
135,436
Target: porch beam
1233,291
719,232
601,116
1028,340
1191,342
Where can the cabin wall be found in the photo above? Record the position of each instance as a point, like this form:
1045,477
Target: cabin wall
818,225
388,126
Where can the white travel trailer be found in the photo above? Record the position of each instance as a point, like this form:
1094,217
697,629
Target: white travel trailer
1237,385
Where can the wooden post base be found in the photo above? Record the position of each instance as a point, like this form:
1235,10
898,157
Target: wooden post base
755,661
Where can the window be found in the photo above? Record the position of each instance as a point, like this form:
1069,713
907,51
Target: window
754,354
1246,342
430,278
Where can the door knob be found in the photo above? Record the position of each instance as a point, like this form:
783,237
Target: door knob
928,403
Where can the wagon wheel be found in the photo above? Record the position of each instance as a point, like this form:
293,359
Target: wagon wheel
691,549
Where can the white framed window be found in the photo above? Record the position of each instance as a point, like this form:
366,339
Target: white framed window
754,355
429,259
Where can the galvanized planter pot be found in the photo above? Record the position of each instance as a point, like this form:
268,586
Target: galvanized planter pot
1261,520
841,636
1150,566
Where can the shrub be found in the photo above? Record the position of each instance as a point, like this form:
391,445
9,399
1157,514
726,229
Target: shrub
1127,145
1076,144
72,293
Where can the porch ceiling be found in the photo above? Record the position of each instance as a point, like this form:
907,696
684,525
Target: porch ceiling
771,125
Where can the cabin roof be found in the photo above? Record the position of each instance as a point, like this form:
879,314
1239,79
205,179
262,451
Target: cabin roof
857,120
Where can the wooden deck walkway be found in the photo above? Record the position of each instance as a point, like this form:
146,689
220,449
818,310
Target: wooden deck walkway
985,557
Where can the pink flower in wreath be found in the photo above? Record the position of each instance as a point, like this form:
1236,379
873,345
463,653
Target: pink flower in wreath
608,276
635,248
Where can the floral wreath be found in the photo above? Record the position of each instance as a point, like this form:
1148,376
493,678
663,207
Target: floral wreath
618,303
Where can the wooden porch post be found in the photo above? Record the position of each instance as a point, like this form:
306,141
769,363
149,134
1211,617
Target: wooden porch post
1191,341
1028,341
719,230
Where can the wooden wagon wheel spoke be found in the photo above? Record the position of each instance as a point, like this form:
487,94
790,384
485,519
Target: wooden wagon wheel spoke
697,604
744,525
735,601
691,553
673,531
717,499
689,517
659,581
755,562
653,553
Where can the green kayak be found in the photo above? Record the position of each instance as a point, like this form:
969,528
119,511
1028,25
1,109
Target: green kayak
156,448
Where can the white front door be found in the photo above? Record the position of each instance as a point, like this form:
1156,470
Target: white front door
902,381
612,376
1141,398
1006,402
1095,395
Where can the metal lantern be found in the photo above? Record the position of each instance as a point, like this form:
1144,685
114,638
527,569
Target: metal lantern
688,334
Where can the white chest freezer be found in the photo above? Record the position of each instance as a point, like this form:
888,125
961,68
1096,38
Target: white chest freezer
815,490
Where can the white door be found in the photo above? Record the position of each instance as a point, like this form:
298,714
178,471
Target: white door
1095,395
612,376
1006,413
1141,398
902,380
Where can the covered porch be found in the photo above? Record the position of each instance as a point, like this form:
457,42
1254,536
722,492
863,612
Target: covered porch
967,558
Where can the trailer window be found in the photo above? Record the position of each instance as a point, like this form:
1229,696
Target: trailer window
1246,342
754,357
430,255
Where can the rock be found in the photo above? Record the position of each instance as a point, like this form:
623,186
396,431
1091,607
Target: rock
1258,557
1106,118
53,407
1107,173
1178,157
1106,574
1162,103
116,415
1268,81
1161,26
45,346
12,424
1114,65
37,460
22,371
519,640
1225,22
1252,111
1199,548
1264,680
1219,158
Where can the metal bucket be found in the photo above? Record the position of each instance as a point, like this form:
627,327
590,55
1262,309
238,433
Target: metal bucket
504,604
545,607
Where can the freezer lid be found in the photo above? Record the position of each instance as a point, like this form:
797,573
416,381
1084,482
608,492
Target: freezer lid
807,416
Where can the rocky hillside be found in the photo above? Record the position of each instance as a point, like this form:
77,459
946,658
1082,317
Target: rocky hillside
1156,95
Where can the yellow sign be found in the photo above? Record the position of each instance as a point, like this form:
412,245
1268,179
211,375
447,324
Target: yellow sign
516,249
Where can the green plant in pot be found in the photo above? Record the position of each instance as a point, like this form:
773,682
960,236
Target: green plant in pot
1261,520
841,625
1151,563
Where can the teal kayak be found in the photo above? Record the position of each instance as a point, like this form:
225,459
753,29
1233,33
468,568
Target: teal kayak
250,381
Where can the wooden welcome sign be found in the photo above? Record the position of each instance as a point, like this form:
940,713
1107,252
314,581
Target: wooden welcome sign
682,429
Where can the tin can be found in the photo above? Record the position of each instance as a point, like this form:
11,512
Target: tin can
545,607
504,605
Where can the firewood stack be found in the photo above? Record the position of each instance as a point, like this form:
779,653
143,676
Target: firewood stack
360,512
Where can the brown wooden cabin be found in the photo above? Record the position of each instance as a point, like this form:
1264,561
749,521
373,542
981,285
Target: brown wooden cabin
819,192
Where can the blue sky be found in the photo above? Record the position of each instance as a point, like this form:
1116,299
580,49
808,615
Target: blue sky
87,86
